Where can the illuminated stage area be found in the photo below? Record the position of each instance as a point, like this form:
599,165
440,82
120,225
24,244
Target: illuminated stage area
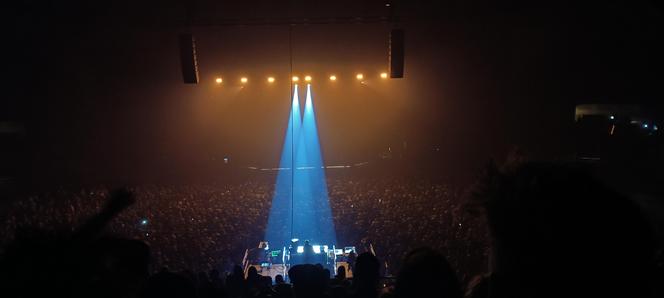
300,206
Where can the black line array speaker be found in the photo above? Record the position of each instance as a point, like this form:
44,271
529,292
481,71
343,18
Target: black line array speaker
188,59
396,55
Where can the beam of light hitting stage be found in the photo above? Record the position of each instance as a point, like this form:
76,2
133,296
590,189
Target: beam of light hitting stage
313,216
304,189
279,224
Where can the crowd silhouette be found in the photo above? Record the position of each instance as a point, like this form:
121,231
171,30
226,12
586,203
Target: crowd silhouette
528,230
205,227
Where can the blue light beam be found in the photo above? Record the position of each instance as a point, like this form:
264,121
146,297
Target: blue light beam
279,226
300,207
315,222
313,216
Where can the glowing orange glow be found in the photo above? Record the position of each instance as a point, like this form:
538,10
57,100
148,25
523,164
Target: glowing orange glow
270,79
295,79
244,80
383,75
307,78
359,76
333,78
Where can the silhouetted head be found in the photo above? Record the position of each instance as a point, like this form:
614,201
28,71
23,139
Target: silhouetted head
308,280
252,273
265,281
279,279
341,272
367,272
556,231
426,273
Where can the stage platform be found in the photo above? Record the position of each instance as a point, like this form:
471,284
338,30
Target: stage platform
273,262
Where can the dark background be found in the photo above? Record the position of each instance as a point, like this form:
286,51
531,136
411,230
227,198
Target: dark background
93,90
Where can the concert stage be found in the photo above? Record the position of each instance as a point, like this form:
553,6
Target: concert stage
277,261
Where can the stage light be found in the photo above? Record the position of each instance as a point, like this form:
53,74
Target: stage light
219,80
645,125
612,117
307,78
383,75
244,80
270,79
359,76
316,248
295,79
300,249
333,78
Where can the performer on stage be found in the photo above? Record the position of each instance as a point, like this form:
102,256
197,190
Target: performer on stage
308,252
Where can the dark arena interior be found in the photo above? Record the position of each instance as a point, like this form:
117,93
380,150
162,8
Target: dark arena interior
341,149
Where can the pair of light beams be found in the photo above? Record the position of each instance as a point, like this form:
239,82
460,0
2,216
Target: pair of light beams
300,206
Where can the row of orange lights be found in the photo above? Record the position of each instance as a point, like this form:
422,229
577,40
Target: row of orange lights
245,80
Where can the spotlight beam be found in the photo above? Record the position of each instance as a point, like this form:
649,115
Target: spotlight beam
317,223
300,207
279,227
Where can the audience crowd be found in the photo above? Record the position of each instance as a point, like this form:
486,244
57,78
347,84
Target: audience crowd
536,230
205,227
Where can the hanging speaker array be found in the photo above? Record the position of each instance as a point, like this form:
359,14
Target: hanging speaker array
396,55
188,59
